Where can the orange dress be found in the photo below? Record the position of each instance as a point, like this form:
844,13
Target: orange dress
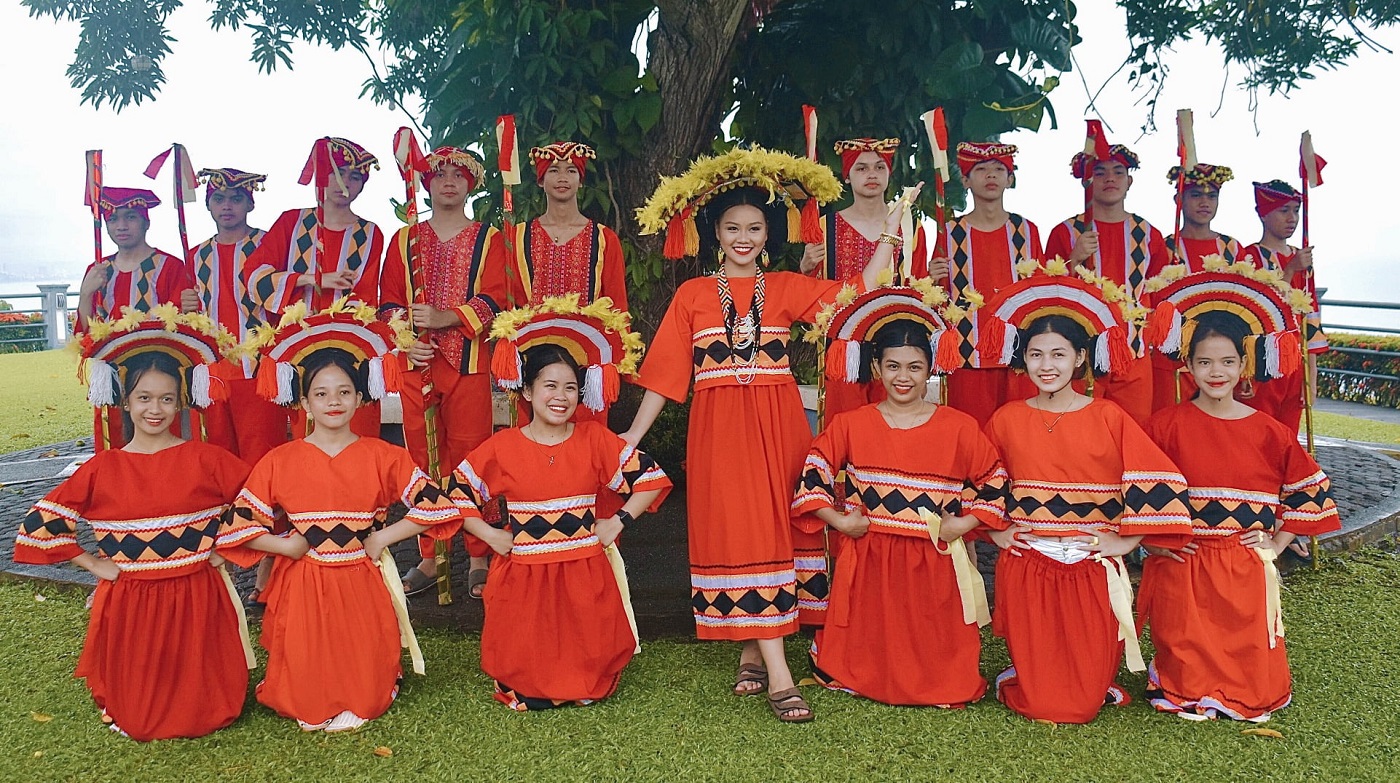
1097,470
985,261
556,631
847,253
330,631
1209,616
162,655
747,439
895,604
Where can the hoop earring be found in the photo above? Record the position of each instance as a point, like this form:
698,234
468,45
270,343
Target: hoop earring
763,258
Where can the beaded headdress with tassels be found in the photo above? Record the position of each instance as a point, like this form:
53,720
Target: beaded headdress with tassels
194,340
855,318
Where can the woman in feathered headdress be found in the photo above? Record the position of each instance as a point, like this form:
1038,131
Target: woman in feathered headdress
1087,485
728,334
336,615
1214,603
905,590
165,622
559,627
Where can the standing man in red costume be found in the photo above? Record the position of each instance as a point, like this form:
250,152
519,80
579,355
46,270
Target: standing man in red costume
865,167
459,273
1125,249
1277,204
563,251
1200,199
319,254
984,246
137,276
245,424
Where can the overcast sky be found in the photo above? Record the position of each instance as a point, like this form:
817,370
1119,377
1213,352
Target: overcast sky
227,114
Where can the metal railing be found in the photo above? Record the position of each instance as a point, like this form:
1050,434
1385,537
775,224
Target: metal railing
1324,302
51,304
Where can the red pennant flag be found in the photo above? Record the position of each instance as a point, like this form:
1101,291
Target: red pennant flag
809,129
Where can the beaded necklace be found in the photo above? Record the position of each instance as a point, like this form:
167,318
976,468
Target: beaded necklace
744,333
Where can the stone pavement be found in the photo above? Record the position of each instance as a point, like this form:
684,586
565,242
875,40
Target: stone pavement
1365,482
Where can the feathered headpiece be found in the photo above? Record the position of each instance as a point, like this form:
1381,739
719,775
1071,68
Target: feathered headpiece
854,319
793,181
350,326
599,338
1267,306
1052,290
194,340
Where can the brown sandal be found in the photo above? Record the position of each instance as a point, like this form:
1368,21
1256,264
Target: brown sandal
751,672
476,582
787,701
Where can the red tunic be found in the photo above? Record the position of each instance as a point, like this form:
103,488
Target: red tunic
1095,471
289,250
1194,251
1210,624
895,603
747,439
985,261
556,631
167,627
330,630
589,264
158,279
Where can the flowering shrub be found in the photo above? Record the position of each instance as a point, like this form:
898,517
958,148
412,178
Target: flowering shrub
1353,388
28,327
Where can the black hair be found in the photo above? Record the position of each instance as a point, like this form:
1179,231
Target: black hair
154,361
901,333
1219,323
535,359
323,358
1064,326
137,367
775,214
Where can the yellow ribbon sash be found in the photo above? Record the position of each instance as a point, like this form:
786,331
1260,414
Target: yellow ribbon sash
248,656
407,638
619,570
1273,602
1120,597
971,587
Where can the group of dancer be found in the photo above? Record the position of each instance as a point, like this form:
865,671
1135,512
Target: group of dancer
280,344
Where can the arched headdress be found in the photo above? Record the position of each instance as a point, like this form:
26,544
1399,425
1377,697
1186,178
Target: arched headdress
196,342
1052,290
854,319
800,184
349,326
599,338
1260,300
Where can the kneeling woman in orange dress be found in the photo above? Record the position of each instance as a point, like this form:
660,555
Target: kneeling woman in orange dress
748,434
1213,604
335,613
918,478
559,626
1087,485
163,657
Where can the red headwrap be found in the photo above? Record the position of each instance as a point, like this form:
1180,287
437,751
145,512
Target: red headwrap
971,153
339,153
1082,165
441,157
567,151
851,149
113,199
1269,196
230,179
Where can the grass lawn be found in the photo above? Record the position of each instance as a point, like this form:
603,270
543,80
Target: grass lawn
674,720
1335,425
41,400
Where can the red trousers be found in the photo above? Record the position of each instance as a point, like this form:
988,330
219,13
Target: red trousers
1281,398
463,423
246,424
1166,382
842,396
1131,391
978,392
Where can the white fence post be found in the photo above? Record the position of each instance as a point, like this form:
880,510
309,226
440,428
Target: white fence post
55,308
